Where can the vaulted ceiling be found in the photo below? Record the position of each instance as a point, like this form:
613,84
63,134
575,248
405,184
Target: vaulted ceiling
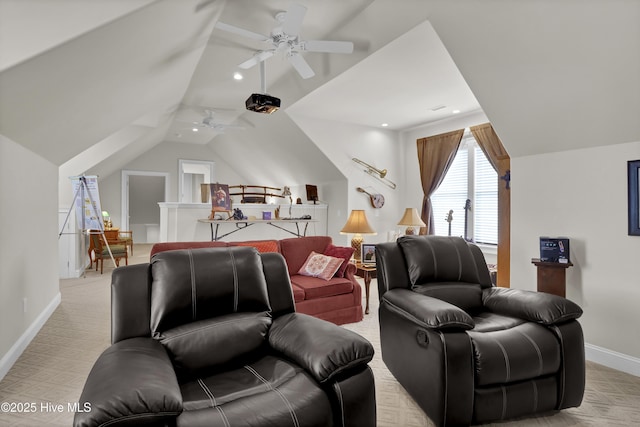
96,84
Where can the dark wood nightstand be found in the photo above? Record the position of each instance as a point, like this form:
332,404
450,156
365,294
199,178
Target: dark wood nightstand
367,273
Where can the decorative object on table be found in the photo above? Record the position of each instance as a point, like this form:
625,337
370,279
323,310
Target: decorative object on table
357,225
238,215
554,250
287,193
205,192
633,177
376,199
368,254
312,193
411,219
298,201
376,173
266,215
254,193
220,198
106,219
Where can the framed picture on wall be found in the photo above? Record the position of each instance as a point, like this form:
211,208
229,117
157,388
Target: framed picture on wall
633,166
220,199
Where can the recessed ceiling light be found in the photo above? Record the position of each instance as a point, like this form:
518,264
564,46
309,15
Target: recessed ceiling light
384,125
237,76
195,129
455,111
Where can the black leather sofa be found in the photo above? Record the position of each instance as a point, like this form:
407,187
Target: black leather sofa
469,352
210,337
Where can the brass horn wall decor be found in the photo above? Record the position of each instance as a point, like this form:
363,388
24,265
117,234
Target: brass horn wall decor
376,173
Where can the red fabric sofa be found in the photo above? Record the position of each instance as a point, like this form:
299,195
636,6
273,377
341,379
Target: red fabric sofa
338,300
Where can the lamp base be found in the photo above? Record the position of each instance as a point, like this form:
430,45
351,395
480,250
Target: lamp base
356,244
410,231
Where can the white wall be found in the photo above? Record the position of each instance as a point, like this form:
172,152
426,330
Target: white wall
582,194
380,148
28,248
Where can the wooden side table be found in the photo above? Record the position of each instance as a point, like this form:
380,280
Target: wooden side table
367,273
551,276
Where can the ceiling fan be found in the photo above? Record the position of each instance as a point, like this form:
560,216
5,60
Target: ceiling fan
285,38
208,122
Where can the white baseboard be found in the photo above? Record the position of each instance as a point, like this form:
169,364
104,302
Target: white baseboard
612,359
16,350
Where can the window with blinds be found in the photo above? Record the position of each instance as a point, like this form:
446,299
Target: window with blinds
472,177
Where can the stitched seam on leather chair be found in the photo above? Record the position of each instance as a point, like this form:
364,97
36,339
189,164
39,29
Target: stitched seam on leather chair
414,319
214,325
562,369
507,365
225,420
535,345
192,268
339,393
296,423
208,392
459,263
235,281
433,255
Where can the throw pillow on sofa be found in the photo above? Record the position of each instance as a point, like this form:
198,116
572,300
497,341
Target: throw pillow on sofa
340,252
321,266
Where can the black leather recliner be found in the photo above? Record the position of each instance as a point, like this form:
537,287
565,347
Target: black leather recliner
210,337
467,351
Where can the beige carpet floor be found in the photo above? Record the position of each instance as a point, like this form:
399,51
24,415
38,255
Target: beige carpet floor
51,372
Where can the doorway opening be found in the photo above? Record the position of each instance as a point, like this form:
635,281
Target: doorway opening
141,193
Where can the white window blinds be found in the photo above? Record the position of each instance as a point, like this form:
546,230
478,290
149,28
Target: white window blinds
472,177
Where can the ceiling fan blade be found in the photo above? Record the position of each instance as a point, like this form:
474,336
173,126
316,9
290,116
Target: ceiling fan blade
327,46
293,19
256,59
241,31
301,65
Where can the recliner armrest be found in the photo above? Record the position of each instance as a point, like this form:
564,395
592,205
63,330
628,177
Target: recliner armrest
538,307
323,349
132,382
426,311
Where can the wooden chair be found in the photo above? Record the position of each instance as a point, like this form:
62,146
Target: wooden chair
100,250
127,237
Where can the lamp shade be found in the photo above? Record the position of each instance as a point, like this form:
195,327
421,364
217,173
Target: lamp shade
411,218
357,224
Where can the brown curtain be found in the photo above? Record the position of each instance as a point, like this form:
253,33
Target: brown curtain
435,155
499,158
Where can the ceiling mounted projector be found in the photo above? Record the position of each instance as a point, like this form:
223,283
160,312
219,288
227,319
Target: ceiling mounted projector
262,103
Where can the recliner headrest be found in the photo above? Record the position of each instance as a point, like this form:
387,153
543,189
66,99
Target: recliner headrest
195,284
442,259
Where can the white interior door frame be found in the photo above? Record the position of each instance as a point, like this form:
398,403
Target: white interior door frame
124,220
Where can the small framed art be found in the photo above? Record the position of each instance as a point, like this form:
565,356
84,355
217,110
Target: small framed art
368,254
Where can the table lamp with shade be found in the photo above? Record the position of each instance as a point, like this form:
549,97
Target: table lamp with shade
411,219
357,225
